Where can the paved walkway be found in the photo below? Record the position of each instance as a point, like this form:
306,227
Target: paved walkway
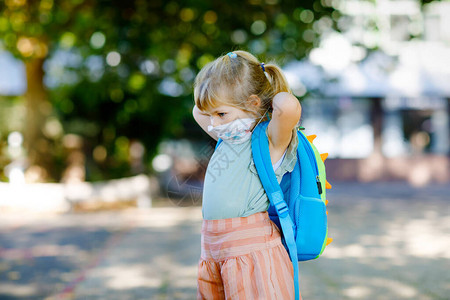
390,242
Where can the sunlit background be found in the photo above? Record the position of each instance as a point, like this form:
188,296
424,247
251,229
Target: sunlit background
96,96
92,92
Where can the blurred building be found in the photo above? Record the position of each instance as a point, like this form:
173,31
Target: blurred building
378,92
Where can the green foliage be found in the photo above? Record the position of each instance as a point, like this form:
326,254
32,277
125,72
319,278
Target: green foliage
136,60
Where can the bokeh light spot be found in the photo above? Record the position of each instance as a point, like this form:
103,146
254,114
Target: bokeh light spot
67,40
98,40
306,16
116,95
113,59
25,46
46,5
136,81
204,59
15,139
161,162
169,66
100,153
309,35
15,3
258,46
187,14
239,36
258,27
149,67
210,17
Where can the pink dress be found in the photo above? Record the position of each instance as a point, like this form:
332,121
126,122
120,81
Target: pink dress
243,258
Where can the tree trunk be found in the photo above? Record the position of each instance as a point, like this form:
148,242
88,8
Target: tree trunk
38,108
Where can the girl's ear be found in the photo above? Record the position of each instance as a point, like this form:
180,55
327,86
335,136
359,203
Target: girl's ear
254,101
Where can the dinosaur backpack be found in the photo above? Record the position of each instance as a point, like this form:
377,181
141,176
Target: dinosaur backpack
298,203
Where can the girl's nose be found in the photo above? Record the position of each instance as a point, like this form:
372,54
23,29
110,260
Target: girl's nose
212,121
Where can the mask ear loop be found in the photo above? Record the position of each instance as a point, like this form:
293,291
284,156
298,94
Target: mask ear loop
260,119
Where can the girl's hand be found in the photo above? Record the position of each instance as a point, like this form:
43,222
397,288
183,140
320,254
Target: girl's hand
285,116
203,120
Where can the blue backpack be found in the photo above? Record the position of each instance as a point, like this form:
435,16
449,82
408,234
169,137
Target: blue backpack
298,203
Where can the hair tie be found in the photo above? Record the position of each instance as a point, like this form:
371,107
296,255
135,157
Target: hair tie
265,73
232,54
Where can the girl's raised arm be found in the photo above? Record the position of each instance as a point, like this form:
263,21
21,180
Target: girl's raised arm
285,116
203,120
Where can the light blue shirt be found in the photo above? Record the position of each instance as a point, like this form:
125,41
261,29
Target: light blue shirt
232,187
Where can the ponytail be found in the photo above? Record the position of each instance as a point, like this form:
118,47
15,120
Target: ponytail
277,79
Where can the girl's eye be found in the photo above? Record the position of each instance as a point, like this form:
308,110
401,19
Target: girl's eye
221,114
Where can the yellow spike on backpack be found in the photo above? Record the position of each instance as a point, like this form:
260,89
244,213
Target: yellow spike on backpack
327,185
311,137
324,156
329,240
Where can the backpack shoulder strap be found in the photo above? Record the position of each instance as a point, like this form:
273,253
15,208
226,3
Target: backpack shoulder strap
263,164
218,143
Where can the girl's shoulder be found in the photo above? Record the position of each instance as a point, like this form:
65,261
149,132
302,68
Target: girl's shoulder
290,159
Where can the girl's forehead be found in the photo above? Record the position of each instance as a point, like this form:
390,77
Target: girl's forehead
223,107
220,107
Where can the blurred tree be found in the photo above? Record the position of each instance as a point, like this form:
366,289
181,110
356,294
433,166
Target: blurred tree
121,71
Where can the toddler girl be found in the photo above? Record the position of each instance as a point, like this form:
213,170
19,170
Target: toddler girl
242,256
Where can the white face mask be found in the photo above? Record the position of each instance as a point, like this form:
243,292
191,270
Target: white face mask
234,132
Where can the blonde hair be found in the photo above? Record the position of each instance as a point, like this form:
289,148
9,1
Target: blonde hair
232,79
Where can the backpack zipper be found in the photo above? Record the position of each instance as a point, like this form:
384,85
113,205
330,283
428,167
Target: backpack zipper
311,156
